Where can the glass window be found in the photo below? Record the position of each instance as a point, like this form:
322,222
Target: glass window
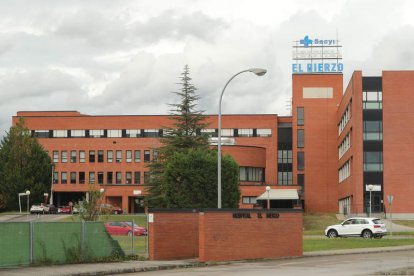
82,177
100,156
128,178
55,177
301,183
133,133
300,116
372,130
245,132
91,177
81,156
96,133
155,155
118,177
147,156
109,156
373,161
60,133
64,156
210,132
137,177
41,133
301,160
55,156
100,177
73,156
301,138
227,132
114,133
118,156
72,177
128,156
251,174
249,200
64,177
151,133
263,132
91,156
284,156
137,156
77,133
109,177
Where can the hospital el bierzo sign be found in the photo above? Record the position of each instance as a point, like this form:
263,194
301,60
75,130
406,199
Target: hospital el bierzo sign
316,56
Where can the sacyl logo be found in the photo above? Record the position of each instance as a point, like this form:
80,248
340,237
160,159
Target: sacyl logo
306,41
317,42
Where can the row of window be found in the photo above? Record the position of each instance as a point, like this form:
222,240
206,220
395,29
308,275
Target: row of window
99,177
252,174
345,145
346,116
345,171
372,130
117,156
139,133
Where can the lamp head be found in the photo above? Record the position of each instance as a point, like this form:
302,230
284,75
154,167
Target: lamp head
102,190
268,188
258,71
370,187
27,192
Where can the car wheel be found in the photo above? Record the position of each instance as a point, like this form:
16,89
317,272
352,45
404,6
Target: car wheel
367,234
332,234
129,233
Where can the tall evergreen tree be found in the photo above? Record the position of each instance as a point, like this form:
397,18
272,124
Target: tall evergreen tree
182,188
24,165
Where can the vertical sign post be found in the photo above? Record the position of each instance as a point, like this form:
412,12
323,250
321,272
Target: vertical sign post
390,199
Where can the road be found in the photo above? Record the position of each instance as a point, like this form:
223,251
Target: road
353,264
34,217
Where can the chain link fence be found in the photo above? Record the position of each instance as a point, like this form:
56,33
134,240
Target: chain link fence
37,242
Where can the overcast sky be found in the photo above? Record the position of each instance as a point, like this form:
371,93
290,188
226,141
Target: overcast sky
125,57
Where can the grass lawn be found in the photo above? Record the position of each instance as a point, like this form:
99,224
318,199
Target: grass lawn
409,223
318,244
315,224
141,220
126,244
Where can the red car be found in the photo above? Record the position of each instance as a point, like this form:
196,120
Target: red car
124,228
67,210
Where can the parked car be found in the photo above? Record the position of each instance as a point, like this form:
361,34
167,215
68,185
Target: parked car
67,210
124,228
38,208
110,209
51,209
359,227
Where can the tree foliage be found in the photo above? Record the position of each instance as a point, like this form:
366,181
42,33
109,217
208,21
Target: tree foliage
24,165
89,209
185,175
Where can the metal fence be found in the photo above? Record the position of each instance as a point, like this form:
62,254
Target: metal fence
37,242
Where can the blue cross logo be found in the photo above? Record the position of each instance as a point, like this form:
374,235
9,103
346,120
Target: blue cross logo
306,41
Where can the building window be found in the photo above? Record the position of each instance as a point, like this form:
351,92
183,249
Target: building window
301,138
146,177
100,177
284,178
128,156
284,156
373,161
263,132
137,177
345,145
60,133
344,171
100,156
91,177
82,156
77,133
227,132
245,132
147,156
118,156
249,200
96,133
41,133
114,133
55,156
346,116
251,174
137,156
55,177
109,156
300,113
72,177
155,155
151,133
118,177
132,133
92,156
64,156
109,177
373,130
73,156
64,177
209,132
128,178
301,183
301,160
82,177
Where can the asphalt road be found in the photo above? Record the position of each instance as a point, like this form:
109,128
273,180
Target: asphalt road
353,264
34,217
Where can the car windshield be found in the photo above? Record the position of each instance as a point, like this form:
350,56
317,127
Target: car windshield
377,221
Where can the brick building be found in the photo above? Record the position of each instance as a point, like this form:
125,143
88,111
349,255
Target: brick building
338,149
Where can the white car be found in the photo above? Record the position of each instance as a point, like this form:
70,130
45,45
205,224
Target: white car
359,227
39,208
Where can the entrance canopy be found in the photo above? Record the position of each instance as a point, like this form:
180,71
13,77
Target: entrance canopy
279,194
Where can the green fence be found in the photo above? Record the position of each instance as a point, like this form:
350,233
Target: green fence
24,243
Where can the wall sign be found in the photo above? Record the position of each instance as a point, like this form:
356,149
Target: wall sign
247,215
316,56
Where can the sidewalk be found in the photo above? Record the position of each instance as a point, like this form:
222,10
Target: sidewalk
141,266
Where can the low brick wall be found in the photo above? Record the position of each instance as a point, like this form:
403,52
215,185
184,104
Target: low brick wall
173,235
250,234
221,235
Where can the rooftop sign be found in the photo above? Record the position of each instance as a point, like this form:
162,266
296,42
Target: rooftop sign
316,56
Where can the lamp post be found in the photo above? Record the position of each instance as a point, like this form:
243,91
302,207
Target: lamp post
51,185
370,188
268,196
257,72
28,195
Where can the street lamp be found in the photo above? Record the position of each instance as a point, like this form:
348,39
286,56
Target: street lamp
370,188
28,195
268,196
257,72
